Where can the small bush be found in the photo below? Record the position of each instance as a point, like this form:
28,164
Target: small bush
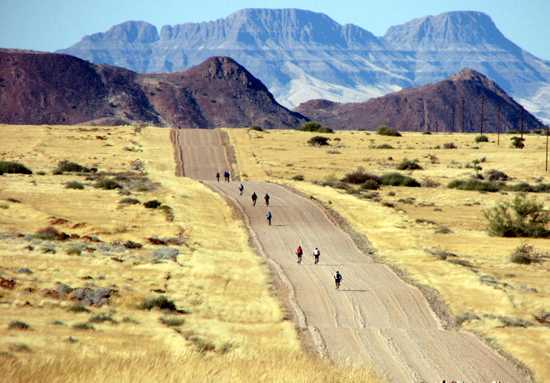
518,142
51,234
78,308
524,254
168,213
298,177
318,141
398,179
496,175
153,204
70,167
409,165
359,176
370,184
256,128
102,318
449,145
18,325
160,302
129,201
83,326
313,126
384,146
10,167
107,184
521,217
475,184
482,138
74,185
524,187
385,130
171,321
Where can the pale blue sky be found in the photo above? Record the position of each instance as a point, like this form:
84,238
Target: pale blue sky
55,24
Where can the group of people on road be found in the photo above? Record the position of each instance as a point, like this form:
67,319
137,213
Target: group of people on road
316,256
269,217
226,176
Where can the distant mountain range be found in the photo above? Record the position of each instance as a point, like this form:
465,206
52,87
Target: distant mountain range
49,88
302,55
467,101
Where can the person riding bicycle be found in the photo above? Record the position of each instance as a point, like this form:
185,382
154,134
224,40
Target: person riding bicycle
299,252
338,279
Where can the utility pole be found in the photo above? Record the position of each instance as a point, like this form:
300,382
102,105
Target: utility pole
499,121
482,115
547,134
463,115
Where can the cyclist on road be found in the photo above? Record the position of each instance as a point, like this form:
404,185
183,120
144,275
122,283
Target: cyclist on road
338,279
316,255
299,252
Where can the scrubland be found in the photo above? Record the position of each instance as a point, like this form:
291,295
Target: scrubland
436,235
118,271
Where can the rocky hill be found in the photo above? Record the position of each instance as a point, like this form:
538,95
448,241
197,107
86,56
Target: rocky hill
459,103
302,55
47,88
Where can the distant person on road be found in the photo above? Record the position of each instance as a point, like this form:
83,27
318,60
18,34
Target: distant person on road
269,216
254,198
299,253
241,189
218,176
227,176
316,255
338,279
266,198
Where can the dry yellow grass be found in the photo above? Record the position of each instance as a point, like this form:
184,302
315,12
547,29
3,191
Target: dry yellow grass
499,292
217,276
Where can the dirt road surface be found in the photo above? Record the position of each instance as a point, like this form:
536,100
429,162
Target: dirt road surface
375,318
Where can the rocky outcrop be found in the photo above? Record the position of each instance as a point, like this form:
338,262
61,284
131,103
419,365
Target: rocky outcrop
467,101
46,88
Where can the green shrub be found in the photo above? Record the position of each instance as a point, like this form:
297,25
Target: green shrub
107,184
171,321
298,177
313,126
18,325
10,167
385,130
78,308
161,302
409,165
74,185
318,141
129,201
70,167
524,254
449,145
527,188
153,204
475,184
359,176
102,318
398,179
482,138
83,326
518,142
520,217
384,146
370,184
495,175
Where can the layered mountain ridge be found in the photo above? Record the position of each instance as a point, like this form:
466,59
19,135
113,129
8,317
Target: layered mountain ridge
302,55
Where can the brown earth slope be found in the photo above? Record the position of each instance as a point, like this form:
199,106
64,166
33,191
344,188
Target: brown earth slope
47,88
375,318
446,106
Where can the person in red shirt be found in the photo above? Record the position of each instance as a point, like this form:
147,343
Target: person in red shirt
299,253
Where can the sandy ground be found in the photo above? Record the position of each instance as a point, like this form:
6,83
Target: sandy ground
375,318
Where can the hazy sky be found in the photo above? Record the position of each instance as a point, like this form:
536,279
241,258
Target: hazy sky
54,24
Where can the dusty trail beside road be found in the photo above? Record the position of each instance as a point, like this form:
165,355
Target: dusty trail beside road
375,318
